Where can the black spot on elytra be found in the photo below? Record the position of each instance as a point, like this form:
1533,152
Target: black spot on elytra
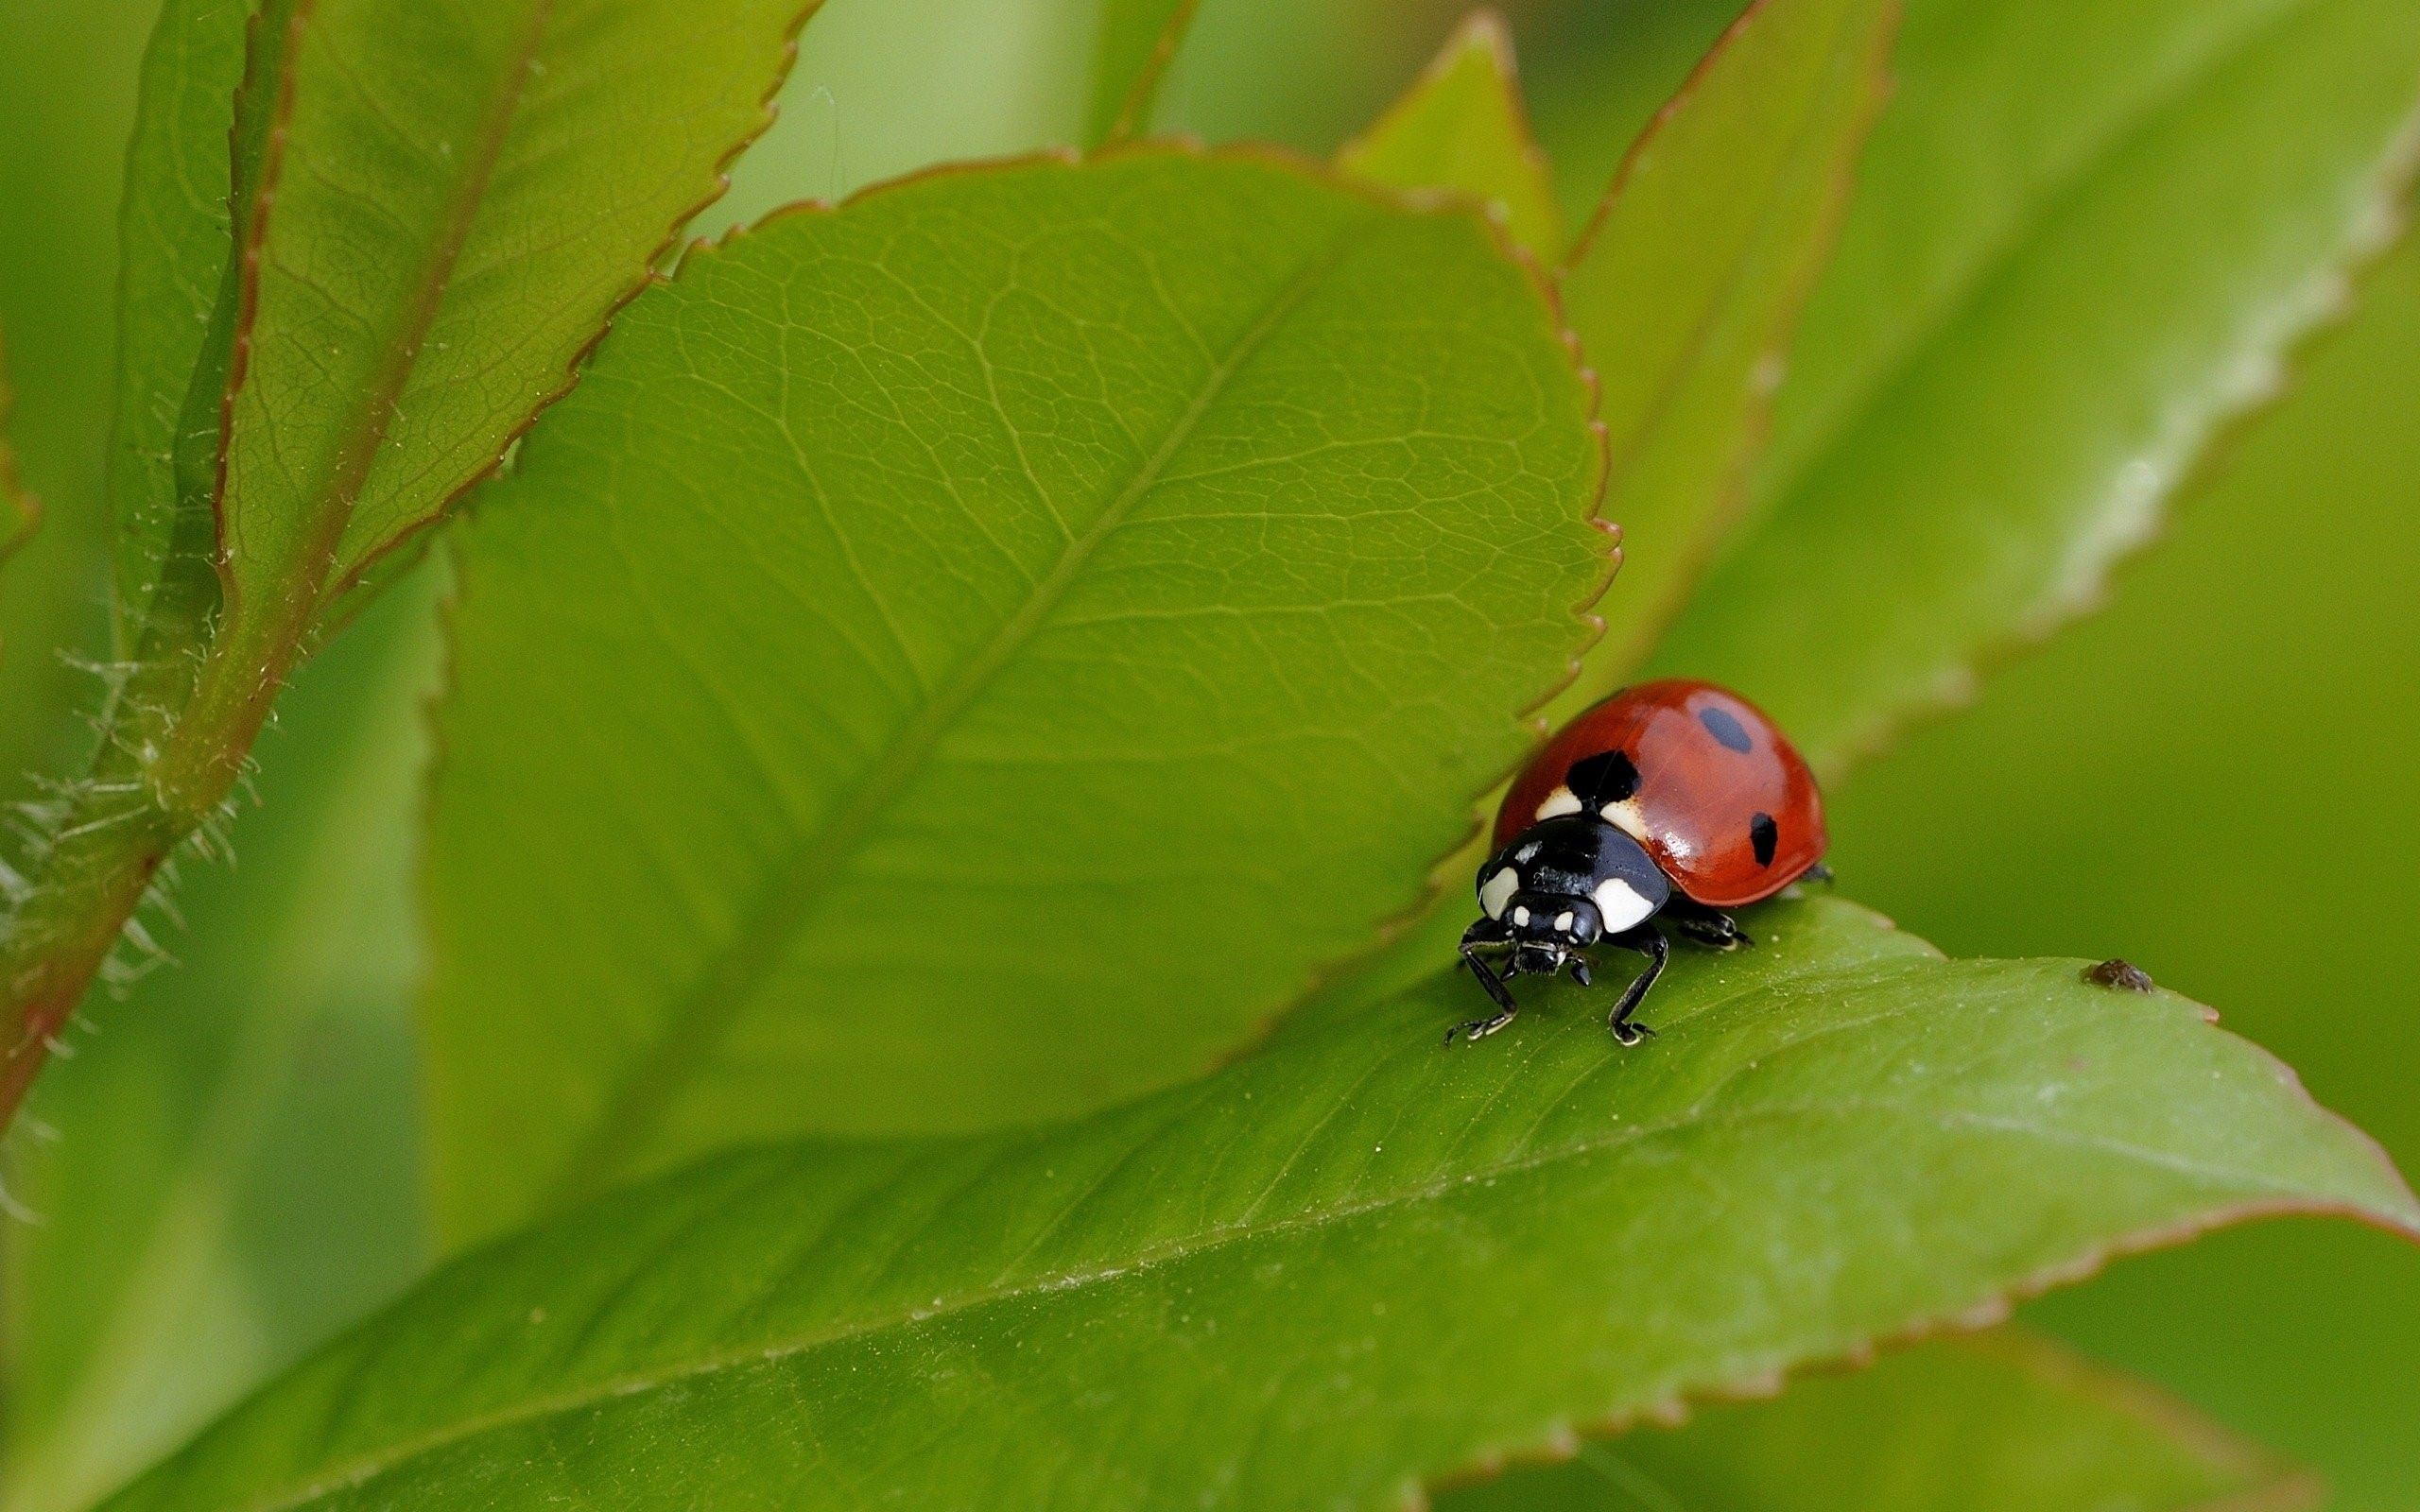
1722,727
1764,834
1607,777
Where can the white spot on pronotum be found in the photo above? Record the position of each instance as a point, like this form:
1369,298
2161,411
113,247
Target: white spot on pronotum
1521,915
1563,921
1562,800
1625,817
1620,906
1498,890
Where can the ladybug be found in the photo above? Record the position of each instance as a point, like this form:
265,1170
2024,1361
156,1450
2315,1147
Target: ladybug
1676,800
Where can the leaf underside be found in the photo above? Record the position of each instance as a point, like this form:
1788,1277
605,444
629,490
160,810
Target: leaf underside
937,616
1353,1261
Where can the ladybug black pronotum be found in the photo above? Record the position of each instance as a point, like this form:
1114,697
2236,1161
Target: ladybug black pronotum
1672,799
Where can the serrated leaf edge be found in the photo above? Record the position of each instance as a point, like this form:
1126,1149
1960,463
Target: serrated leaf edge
1747,1380
256,219
2282,1485
1699,552
2255,382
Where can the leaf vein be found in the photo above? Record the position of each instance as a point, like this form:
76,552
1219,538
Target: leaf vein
732,976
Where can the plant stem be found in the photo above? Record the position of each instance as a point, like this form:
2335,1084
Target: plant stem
157,778
107,861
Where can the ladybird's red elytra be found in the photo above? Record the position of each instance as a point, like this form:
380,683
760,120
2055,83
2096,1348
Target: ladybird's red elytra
1715,791
1671,802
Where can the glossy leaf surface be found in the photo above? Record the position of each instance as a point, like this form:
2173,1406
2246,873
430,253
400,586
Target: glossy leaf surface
2003,1422
2083,238
941,614
1461,128
1351,1262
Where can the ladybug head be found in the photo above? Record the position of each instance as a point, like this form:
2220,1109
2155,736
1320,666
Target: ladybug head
1564,884
1549,922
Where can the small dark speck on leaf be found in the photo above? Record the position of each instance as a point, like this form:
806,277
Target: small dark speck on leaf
2123,976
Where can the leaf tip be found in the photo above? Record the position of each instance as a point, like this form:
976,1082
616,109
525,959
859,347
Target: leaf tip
1483,30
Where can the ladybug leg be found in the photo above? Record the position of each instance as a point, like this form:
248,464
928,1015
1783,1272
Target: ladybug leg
1496,990
1649,942
1709,927
1485,932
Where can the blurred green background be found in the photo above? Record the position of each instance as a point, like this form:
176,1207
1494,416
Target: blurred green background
2210,778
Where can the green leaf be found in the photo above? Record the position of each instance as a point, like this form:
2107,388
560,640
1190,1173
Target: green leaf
2003,1420
176,320
883,90
234,1174
448,232
438,207
938,616
1352,1262
1462,126
1683,293
1593,90
1686,290
1131,56
2082,239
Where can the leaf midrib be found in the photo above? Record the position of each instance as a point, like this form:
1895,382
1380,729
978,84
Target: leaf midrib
1992,265
2255,1194
328,511
735,972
